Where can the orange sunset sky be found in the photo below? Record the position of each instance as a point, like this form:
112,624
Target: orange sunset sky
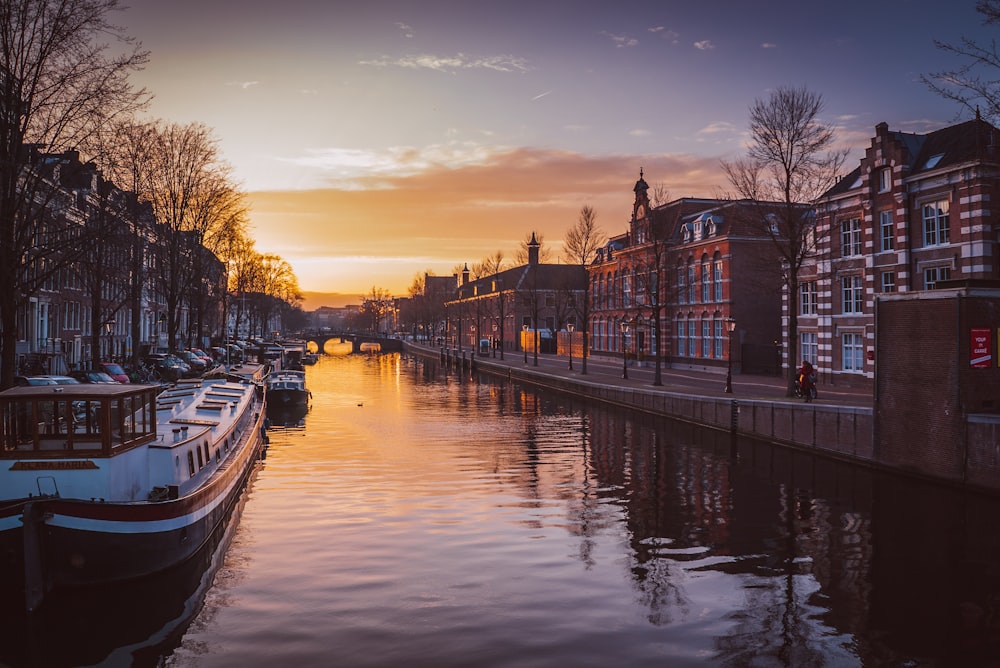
378,140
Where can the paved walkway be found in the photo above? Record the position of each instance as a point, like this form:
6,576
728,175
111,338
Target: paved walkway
702,383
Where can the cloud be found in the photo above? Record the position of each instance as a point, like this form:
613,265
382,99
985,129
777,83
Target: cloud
436,214
704,45
669,35
452,63
243,84
621,41
638,132
768,45
717,127
541,95
407,30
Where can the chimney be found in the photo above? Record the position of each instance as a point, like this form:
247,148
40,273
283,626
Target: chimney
533,247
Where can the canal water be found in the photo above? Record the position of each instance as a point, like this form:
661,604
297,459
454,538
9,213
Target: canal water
417,516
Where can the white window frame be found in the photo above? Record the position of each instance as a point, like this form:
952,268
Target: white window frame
809,347
706,337
808,298
936,218
853,352
885,179
852,294
886,230
888,281
850,237
682,338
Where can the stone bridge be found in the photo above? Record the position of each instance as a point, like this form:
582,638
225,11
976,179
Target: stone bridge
355,338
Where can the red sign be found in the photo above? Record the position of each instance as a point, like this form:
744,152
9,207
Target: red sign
980,348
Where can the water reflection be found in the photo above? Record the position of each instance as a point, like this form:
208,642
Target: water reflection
424,517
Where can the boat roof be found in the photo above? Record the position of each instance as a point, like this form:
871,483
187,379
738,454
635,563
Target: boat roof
79,391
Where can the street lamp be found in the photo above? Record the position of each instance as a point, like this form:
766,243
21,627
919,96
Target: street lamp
570,328
624,350
730,327
524,338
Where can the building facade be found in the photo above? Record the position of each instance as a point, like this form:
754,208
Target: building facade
917,211
692,281
519,309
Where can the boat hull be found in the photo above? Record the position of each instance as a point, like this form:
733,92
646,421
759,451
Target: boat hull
56,542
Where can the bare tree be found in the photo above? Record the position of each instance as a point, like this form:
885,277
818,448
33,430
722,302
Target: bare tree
189,188
790,162
500,306
579,247
60,80
974,84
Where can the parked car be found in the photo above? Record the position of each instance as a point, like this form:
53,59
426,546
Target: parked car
170,367
197,364
24,381
93,377
46,380
115,371
209,361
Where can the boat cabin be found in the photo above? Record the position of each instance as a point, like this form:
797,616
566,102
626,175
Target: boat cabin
86,420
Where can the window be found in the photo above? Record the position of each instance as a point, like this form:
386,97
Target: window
936,226
718,280
681,285
808,301
626,291
853,294
809,347
706,281
934,274
681,338
885,229
706,337
717,353
850,237
692,339
853,352
692,295
885,179
888,281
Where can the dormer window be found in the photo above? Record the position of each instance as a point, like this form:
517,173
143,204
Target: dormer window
885,179
697,230
686,233
710,230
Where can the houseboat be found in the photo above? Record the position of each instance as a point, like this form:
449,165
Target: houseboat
287,388
109,483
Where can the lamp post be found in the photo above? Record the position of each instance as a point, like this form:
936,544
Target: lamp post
493,343
570,328
730,327
624,350
524,338
108,328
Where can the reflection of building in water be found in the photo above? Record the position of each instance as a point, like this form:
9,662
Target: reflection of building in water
793,554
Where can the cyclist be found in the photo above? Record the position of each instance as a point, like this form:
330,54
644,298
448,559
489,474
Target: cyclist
807,381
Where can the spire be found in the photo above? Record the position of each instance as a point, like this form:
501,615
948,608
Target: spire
640,186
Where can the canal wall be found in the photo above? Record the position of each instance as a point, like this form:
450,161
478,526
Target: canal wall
841,432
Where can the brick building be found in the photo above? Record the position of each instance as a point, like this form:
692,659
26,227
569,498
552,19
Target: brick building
684,273
915,212
530,303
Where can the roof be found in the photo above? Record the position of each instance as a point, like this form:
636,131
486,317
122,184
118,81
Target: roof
941,149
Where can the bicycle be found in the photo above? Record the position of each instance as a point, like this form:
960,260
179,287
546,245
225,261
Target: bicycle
800,394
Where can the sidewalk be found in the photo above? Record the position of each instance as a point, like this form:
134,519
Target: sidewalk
701,383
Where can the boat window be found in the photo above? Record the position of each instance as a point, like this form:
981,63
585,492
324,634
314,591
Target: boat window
201,462
208,456
190,464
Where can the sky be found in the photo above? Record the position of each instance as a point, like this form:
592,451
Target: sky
381,139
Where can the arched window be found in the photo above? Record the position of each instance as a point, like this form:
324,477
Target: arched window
706,279
717,276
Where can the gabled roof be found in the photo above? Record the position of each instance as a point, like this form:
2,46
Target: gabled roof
948,147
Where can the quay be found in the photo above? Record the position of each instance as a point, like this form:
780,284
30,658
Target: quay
839,424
